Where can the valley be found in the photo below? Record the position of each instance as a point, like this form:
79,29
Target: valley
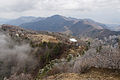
59,40
55,56
59,48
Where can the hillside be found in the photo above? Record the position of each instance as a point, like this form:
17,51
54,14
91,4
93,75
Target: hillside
29,21
54,23
76,27
83,27
117,28
92,74
3,20
22,20
59,39
58,22
51,55
33,49
66,25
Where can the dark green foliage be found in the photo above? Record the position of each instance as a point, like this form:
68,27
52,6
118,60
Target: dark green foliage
47,56
69,57
87,45
50,51
87,48
1,62
82,52
56,49
98,49
50,45
118,40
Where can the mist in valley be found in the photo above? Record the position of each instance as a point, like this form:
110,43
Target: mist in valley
14,59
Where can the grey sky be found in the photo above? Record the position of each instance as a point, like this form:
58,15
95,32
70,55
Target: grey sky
106,11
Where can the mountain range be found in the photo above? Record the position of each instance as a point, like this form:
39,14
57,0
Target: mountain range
68,25
58,22
20,20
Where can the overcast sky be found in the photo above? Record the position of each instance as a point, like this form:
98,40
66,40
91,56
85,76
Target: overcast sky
106,11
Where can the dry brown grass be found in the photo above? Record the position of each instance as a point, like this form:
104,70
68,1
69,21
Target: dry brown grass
43,38
92,74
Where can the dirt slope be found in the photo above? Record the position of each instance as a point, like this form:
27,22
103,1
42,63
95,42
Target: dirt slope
92,74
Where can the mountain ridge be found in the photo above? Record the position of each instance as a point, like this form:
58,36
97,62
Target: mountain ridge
76,27
66,25
26,20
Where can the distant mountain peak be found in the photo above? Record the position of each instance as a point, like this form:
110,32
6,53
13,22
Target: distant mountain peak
64,18
57,16
54,23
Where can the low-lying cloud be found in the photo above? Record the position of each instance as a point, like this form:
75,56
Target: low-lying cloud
14,58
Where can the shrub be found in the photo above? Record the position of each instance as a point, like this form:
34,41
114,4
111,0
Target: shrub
22,76
108,57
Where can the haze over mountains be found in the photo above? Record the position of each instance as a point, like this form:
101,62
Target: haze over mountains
25,20
68,25
20,20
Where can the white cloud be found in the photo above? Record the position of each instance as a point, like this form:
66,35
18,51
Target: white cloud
17,5
76,8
